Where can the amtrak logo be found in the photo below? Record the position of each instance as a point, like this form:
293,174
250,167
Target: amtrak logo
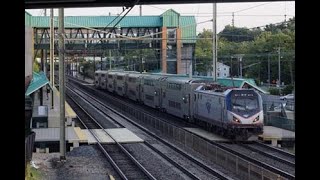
208,105
246,115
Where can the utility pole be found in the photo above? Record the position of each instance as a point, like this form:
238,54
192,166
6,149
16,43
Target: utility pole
45,52
101,63
62,86
140,56
94,61
279,70
232,19
51,56
214,41
231,66
140,7
269,69
110,59
241,67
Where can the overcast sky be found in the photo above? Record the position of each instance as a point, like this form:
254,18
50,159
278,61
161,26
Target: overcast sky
245,14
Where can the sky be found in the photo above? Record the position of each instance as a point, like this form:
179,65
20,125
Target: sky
245,14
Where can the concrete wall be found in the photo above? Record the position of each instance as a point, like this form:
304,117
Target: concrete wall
28,51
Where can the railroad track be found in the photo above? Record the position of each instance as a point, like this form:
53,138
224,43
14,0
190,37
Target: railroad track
271,152
197,164
289,174
122,161
283,167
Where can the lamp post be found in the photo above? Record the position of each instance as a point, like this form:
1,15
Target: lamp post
239,57
279,70
269,69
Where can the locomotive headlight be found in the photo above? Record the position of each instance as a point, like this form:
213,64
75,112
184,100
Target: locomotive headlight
235,119
256,119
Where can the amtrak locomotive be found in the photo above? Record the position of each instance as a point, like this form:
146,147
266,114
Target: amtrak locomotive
233,112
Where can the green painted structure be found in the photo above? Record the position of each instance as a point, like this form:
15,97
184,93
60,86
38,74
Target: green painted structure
38,81
169,19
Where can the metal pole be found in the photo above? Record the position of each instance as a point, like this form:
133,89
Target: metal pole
279,71
269,69
94,61
140,7
240,67
232,19
231,66
42,69
62,86
214,41
110,59
101,63
140,56
45,51
51,56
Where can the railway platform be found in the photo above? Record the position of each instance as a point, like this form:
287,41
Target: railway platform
276,135
76,136
54,114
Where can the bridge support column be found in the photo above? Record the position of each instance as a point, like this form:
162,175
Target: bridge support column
179,51
164,50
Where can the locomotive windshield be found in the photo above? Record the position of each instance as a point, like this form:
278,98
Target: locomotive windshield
244,102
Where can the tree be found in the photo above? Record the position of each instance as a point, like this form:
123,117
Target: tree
36,66
203,51
237,34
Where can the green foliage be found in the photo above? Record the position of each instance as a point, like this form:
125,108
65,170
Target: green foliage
236,34
257,52
36,66
203,51
288,89
274,91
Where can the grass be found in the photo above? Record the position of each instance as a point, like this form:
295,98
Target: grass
32,173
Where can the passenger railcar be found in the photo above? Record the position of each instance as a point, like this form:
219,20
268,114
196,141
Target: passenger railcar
111,80
120,85
150,90
134,86
234,112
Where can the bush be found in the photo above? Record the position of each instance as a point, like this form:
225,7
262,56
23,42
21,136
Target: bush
288,89
274,91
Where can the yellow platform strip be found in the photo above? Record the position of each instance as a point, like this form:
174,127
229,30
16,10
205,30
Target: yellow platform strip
82,136
69,111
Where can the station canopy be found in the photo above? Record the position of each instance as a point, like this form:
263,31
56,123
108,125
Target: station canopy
38,81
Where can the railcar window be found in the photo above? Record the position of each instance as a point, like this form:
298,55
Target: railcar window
102,75
148,97
148,82
132,92
174,86
174,104
110,76
96,74
133,80
119,78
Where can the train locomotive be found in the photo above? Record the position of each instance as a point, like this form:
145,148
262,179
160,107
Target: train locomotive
236,113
